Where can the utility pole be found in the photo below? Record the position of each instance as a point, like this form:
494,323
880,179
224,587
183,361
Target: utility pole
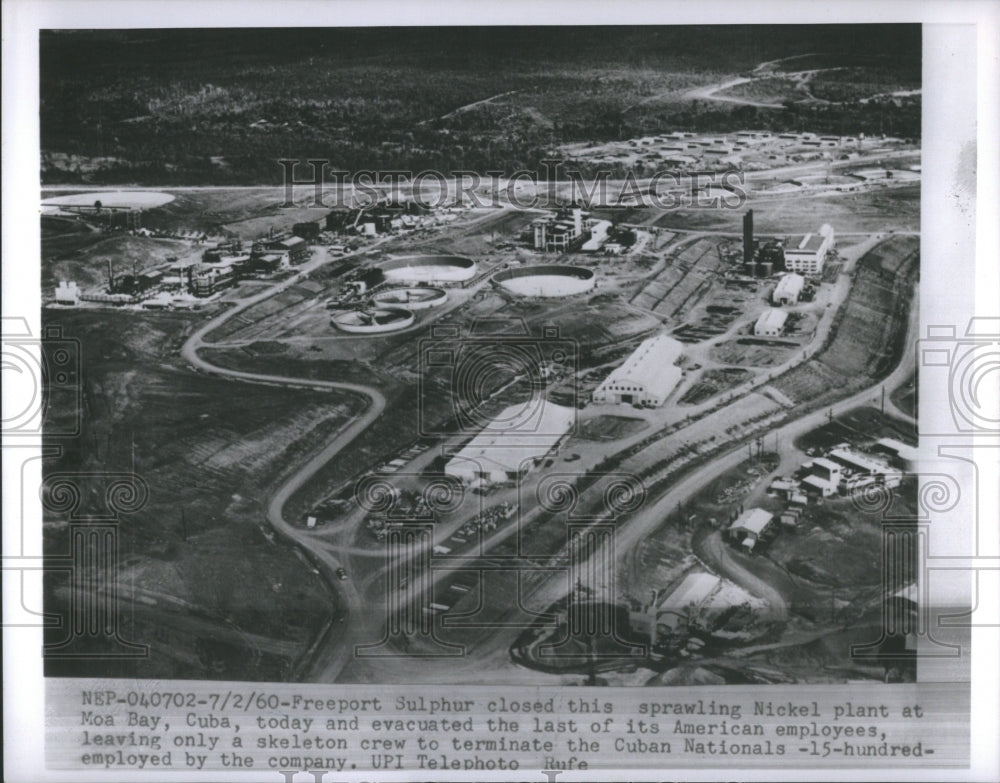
883,401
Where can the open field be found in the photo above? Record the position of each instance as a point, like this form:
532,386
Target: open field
773,89
712,383
897,207
753,351
199,552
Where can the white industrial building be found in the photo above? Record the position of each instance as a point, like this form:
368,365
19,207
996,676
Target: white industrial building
788,289
865,465
647,377
749,527
907,455
555,233
810,254
68,293
770,323
515,441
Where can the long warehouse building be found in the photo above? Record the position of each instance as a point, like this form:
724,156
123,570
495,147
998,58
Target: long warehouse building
647,377
514,442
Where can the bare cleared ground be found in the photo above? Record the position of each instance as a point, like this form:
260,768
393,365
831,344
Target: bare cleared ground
880,210
712,383
752,352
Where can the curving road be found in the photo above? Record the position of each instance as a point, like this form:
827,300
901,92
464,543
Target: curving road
329,665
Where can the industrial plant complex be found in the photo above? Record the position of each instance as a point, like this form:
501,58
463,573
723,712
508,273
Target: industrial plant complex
415,441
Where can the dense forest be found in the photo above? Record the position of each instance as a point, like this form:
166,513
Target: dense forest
163,107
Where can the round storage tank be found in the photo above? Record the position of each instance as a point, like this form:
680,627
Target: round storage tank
376,320
415,270
412,298
546,281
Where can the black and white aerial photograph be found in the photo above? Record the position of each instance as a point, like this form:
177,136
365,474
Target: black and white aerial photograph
513,356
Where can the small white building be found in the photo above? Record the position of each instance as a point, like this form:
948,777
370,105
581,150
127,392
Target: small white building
823,486
648,375
771,322
749,527
788,289
907,455
67,293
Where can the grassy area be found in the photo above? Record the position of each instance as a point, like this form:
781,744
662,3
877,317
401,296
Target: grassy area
210,451
772,89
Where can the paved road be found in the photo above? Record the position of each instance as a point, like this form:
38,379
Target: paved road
714,552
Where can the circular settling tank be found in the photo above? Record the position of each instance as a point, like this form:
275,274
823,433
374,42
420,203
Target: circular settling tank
546,281
112,199
429,269
376,320
419,298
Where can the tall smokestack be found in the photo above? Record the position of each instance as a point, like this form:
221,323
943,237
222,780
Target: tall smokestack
748,237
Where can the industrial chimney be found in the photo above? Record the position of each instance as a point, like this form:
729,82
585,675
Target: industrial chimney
748,237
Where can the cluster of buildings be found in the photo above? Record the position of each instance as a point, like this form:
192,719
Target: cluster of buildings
806,257
574,229
844,470
228,262
561,231
771,322
646,377
220,267
381,218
